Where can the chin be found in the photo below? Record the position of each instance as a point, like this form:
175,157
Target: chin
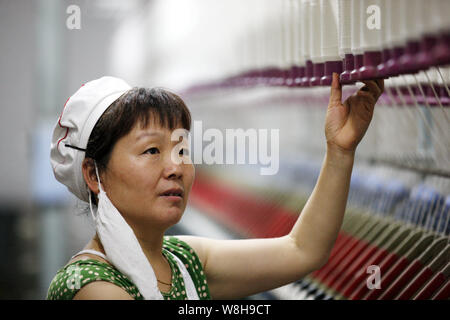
171,216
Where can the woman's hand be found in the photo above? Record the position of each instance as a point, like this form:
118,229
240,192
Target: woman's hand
346,123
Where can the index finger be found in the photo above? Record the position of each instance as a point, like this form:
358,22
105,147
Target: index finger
373,87
380,84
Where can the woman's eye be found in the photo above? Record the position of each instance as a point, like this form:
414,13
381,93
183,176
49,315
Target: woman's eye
152,151
184,152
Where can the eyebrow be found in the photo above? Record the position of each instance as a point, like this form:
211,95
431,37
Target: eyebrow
149,134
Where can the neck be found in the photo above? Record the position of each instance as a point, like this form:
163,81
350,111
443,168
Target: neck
151,244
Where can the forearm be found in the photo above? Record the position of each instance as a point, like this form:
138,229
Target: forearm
316,229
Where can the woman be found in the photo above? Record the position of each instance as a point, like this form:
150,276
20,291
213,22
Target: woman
123,164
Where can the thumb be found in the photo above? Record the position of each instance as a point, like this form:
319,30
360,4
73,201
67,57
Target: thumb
336,90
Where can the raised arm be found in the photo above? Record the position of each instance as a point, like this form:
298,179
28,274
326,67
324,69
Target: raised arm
346,123
238,268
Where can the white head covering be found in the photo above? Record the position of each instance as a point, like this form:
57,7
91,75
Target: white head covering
74,126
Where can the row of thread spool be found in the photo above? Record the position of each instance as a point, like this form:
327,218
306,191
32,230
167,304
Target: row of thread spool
400,224
300,43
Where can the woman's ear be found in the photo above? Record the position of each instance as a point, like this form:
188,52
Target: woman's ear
89,174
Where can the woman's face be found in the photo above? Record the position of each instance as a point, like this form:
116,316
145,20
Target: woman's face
140,170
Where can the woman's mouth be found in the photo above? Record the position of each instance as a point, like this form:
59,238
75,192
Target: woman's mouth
173,194
173,198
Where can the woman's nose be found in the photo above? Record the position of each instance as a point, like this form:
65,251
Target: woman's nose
173,169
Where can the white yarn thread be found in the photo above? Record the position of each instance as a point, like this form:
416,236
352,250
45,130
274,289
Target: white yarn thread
269,31
329,30
438,14
345,25
356,26
258,30
273,35
444,15
433,75
393,24
445,72
370,37
278,6
285,33
315,32
426,19
297,54
384,30
434,8
420,76
305,29
408,16
418,16
262,36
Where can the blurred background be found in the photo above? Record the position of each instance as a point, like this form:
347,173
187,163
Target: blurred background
237,65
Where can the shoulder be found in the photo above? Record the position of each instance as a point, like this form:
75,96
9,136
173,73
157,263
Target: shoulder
86,278
188,245
102,290
88,256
